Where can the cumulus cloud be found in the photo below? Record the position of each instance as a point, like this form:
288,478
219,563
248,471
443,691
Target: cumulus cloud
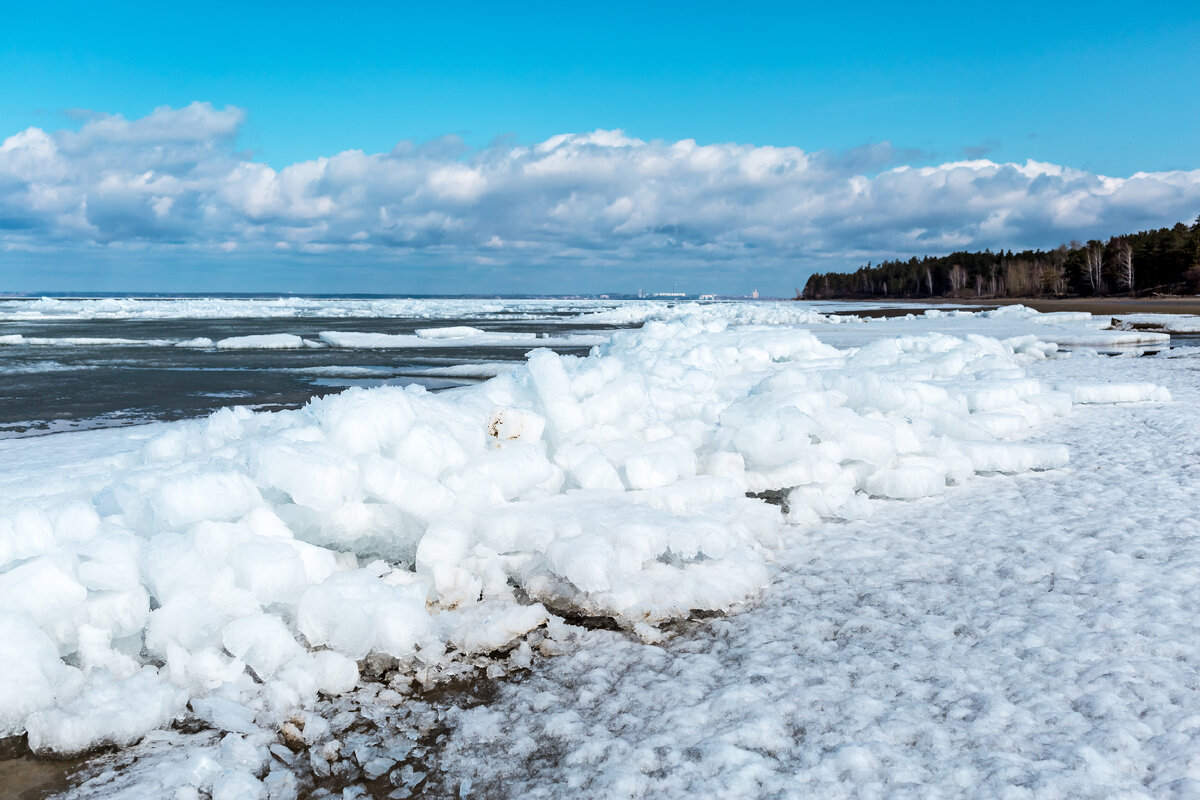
175,179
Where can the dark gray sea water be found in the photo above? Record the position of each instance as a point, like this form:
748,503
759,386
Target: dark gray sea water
66,374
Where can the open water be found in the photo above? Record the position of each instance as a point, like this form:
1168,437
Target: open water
66,374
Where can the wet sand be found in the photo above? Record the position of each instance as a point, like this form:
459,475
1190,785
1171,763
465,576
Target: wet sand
24,776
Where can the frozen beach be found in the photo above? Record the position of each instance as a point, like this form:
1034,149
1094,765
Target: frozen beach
737,550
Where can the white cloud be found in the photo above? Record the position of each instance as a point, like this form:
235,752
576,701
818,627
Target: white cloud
196,123
174,178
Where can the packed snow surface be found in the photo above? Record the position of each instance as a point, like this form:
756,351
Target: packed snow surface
236,569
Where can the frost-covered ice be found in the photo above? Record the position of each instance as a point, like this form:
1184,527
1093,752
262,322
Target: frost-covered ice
235,570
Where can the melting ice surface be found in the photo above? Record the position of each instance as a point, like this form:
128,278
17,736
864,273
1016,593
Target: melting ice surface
241,572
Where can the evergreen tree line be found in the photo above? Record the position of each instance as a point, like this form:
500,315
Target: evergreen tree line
1163,261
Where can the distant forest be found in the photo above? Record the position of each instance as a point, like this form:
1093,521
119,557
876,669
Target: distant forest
1164,261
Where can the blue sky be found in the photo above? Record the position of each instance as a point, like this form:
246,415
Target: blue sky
1093,87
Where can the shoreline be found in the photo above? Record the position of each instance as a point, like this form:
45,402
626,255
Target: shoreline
1100,306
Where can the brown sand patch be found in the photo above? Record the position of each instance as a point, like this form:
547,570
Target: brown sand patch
24,776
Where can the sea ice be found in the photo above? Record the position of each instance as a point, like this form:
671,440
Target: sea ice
265,341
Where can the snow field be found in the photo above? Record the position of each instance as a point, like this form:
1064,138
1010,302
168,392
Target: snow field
238,567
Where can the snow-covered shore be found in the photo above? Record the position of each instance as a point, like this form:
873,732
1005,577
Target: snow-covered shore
1027,636
233,571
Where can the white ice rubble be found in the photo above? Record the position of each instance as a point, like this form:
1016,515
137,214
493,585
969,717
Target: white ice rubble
1033,636
235,568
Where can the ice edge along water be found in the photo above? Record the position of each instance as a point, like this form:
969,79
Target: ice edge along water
235,568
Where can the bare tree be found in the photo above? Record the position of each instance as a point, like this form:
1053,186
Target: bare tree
929,279
958,278
1058,281
1037,276
1093,267
1123,254
1017,276
1056,269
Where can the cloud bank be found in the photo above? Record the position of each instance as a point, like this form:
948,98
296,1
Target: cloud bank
175,179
